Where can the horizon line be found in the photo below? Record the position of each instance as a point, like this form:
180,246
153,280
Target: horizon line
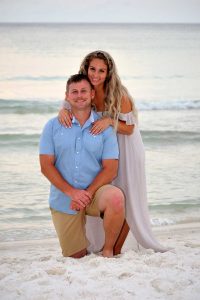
99,23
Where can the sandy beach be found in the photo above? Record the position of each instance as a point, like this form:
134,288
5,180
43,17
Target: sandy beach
36,270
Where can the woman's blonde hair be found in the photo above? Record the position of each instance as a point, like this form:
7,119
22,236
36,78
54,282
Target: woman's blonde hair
113,88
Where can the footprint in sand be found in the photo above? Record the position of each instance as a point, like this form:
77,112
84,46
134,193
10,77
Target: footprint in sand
192,245
168,286
125,275
56,271
163,285
45,258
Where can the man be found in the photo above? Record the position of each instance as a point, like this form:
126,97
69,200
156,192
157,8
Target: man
80,167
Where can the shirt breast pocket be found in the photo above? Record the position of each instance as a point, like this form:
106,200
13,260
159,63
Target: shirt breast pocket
64,140
94,143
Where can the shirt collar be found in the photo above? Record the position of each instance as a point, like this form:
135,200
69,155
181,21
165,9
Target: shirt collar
89,121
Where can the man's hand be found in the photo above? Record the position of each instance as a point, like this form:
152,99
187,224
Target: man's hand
79,199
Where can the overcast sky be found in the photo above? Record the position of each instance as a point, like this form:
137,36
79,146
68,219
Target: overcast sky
142,11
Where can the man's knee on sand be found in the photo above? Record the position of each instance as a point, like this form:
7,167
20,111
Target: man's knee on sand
75,253
79,254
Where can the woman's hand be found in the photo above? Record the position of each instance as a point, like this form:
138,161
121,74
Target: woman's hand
65,117
101,125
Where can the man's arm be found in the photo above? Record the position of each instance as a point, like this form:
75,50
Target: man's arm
105,176
48,169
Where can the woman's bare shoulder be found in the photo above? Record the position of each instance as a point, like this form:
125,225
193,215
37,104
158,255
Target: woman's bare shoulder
126,105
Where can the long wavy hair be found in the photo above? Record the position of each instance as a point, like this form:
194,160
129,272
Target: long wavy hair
113,88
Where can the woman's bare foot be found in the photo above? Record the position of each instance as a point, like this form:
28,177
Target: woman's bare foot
121,239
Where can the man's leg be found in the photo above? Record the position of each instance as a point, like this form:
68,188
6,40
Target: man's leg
111,202
71,233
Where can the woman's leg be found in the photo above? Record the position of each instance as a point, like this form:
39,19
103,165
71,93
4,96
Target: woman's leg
121,238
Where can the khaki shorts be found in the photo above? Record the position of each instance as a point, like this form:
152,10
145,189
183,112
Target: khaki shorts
71,228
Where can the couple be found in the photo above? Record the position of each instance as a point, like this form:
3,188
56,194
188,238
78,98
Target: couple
117,110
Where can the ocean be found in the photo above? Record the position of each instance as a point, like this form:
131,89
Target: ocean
159,64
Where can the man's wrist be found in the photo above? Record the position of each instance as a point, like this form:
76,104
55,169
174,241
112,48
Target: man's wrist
90,191
69,191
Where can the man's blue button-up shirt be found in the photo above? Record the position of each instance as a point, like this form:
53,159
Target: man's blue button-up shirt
78,155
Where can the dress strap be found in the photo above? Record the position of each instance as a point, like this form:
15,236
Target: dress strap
129,118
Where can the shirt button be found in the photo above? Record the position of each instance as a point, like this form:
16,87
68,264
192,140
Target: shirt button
77,152
76,167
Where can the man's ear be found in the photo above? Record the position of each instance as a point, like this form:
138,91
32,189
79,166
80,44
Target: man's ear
66,96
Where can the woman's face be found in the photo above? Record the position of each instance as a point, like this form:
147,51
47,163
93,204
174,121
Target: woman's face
97,71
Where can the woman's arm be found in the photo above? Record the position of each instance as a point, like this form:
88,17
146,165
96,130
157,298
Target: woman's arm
126,107
65,117
122,127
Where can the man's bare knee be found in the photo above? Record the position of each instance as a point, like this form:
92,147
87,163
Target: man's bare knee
116,201
110,198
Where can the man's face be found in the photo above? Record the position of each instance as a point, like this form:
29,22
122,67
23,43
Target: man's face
80,95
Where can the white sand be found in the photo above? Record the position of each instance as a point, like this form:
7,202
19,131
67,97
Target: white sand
36,270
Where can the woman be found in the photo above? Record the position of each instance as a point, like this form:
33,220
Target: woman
113,102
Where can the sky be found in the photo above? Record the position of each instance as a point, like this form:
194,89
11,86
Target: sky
104,11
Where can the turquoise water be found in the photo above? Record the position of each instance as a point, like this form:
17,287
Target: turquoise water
161,68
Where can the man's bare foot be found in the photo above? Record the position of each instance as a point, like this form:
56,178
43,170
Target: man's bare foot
107,253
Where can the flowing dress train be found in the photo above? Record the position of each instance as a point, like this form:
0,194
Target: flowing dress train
132,181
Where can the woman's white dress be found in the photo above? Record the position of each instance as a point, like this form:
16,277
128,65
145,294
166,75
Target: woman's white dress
131,179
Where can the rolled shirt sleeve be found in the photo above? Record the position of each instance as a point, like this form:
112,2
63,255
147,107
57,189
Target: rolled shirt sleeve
46,145
111,149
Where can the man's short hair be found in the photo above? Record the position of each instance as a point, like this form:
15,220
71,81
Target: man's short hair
77,78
